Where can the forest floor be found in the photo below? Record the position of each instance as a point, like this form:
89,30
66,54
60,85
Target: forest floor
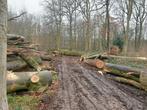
81,87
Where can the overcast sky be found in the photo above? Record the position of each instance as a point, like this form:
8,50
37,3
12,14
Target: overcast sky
32,6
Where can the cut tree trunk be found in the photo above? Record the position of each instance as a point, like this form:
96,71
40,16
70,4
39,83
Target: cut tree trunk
143,80
46,57
114,69
132,74
31,61
128,81
16,65
103,56
96,63
24,80
125,69
14,37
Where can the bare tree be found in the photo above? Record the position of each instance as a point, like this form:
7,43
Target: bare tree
129,7
3,49
140,13
87,9
54,15
69,10
126,6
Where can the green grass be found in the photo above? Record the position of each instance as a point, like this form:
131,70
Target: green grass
22,102
54,76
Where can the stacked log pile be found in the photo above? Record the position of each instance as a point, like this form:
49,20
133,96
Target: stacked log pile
124,74
25,64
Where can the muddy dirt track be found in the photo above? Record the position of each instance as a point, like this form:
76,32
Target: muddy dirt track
82,88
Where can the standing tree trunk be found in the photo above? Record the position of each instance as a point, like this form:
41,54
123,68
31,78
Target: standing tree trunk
3,49
136,34
70,32
129,14
88,26
107,25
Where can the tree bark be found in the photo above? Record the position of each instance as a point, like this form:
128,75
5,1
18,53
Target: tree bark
3,50
107,25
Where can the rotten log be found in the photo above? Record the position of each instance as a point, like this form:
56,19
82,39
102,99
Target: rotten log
25,80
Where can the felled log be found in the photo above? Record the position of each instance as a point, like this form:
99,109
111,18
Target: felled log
106,56
46,57
128,81
131,73
121,73
24,80
20,43
96,63
143,80
16,65
127,69
12,57
109,66
14,37
114,69
31,61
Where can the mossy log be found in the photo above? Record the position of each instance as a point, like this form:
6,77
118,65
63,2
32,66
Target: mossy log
31,61
25,80
123,71
128,81
143,80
